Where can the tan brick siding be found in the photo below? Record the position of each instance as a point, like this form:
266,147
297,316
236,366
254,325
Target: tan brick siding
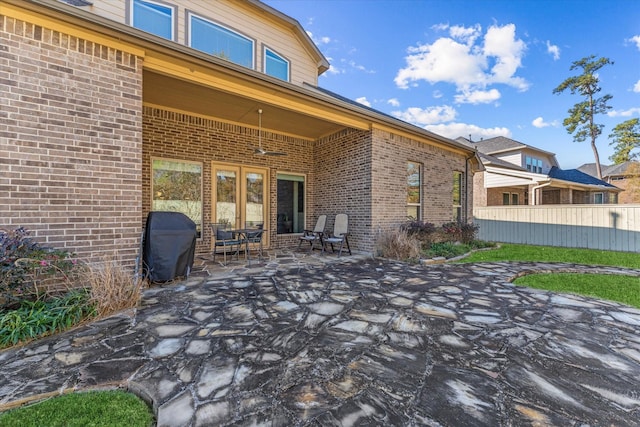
180,136
71,143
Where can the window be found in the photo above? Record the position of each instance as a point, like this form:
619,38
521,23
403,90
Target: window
514,199
291,211
506,199
598,198
414,185
533,165
457,196
275,65
614,198
219,41
153,17
176,186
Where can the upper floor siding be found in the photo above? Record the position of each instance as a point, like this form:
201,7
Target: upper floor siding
263,29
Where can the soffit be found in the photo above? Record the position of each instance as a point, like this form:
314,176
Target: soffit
198,99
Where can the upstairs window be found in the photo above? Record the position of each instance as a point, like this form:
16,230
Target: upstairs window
414,185
153,17
533,165
275,65
219,41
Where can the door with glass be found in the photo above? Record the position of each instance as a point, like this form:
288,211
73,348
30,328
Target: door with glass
239,196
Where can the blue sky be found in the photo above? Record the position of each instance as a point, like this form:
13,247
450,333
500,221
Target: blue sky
479,67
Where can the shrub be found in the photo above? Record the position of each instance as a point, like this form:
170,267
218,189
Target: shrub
446,250
27,268
112,288
460,232
33,319
398,244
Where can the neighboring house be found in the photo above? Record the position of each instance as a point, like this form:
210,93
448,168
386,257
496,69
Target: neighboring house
114,108
519,174
625,176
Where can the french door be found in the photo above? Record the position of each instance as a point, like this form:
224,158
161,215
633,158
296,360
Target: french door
240,196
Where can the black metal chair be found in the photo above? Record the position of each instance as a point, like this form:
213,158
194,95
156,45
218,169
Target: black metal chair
315,235
254,237
224,238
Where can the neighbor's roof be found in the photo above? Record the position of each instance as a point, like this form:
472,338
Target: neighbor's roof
579,177
611,170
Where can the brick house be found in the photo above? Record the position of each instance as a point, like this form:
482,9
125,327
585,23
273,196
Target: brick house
111,109
625,176
520,174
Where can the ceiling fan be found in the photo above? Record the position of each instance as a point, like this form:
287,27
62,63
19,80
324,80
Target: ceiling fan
259,151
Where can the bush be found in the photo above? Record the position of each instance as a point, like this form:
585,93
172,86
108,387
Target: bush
460,232
447,250
398,244
112,288
26,268
33,319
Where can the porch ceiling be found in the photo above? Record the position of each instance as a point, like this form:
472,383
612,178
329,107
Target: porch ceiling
176,94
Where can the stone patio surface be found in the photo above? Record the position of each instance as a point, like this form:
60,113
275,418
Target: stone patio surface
356,341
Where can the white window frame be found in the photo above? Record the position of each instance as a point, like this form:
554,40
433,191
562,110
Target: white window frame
265,51
595,198
131,14
457,208
191,15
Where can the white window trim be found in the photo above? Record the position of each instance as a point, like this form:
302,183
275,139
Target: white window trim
191,14
264,61
160,3
594,198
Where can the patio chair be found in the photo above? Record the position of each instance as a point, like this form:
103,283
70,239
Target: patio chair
315,235
224,238
340,234
253,235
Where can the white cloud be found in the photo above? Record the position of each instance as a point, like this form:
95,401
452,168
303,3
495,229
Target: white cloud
554,50
540,123
363,100
319,40
478,96
437,94
636,87
467,60
359,67
454,130
393,102
624,113
636,40
427,116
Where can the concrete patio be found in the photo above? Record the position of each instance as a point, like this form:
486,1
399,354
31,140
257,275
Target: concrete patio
309,340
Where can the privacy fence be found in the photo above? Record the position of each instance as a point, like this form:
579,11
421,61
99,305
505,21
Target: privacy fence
607,227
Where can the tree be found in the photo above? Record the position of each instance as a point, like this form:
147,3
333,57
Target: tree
581,120
625,138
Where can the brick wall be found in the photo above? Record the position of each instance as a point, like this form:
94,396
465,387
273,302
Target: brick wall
343,183
179,136
494,195
71,146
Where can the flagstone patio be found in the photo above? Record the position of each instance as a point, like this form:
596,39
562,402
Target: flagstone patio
352,341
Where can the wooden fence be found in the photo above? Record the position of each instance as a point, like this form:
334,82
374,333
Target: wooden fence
607,227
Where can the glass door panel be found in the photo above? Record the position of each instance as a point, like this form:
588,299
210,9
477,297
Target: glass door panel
239,196
254,198
226,195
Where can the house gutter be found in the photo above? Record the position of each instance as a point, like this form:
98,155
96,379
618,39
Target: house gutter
533,190
128,34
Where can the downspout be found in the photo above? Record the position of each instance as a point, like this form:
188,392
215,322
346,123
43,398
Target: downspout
465,204
533,190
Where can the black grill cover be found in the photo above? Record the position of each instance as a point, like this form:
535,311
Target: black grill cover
169,246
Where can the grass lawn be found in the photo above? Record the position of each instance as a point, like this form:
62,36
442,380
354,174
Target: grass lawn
624,289
618,288
511,252
101,408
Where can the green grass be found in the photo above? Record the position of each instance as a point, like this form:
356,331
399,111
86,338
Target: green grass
624,289
510,252
90,409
